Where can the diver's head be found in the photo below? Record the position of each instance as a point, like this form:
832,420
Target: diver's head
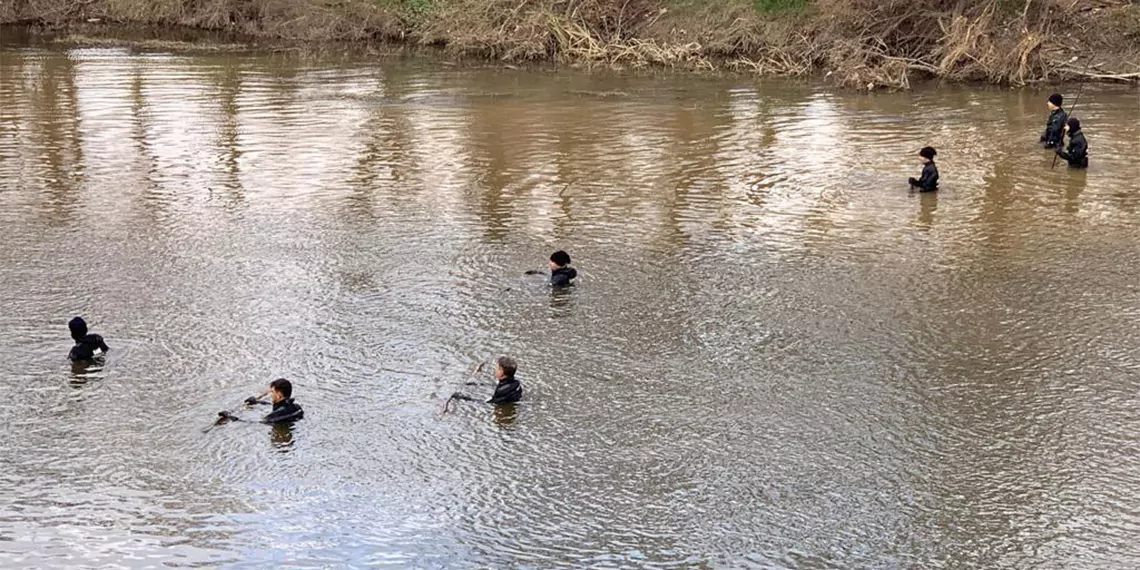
280,390
505,368
927,153
78,328
559,259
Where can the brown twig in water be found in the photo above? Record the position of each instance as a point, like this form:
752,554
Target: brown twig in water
451,398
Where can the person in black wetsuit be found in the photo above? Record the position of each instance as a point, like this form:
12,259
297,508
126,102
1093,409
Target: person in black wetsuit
281,396
508,390
561,274
1055,125
928,182
85,344
1077,154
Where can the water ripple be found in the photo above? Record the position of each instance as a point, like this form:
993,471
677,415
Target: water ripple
776,356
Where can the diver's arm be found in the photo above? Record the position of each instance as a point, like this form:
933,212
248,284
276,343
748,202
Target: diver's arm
257,400
1080,147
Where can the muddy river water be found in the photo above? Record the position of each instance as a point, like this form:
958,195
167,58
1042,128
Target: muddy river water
776,356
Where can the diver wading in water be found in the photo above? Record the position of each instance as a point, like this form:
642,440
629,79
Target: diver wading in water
86,344
281,397
508,389
285,410
928,181
1055,124
1077,154
561,273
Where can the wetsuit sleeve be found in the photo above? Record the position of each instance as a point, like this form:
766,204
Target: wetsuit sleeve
1078,148
563,278
102,345
1050,129
499,397
929,179
505,393
1055,131
287,414
1069,155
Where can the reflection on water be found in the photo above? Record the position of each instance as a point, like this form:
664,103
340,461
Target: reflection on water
82,372
777,356
282,435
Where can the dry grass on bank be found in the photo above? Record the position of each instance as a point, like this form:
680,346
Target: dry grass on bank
304,20
859,43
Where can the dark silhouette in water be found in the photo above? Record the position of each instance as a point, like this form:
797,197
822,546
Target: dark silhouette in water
1055,124
561,274
508,390
284,408
85,344
1077,155
928,182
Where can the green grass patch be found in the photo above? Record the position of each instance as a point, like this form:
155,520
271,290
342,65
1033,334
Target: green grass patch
780,6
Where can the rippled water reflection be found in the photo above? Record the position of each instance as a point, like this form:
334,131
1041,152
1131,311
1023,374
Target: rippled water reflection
777,357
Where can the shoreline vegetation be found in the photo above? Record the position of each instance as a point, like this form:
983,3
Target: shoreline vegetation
862,44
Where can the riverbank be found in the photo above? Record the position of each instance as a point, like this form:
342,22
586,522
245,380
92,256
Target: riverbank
863,44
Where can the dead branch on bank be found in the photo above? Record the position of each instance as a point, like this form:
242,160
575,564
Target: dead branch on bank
1122,77
866,44
575,41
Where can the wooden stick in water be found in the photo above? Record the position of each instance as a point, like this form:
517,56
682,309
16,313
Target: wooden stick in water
450,398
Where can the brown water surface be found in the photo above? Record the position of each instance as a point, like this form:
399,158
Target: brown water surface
776,357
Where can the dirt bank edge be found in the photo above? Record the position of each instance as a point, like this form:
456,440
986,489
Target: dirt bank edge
861,44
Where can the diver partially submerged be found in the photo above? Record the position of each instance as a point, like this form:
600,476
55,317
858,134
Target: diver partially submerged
281,397
928,181
508,390
561,273
1077,155
86,344
1055,124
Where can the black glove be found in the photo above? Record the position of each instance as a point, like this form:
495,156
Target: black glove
251,401
913,181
